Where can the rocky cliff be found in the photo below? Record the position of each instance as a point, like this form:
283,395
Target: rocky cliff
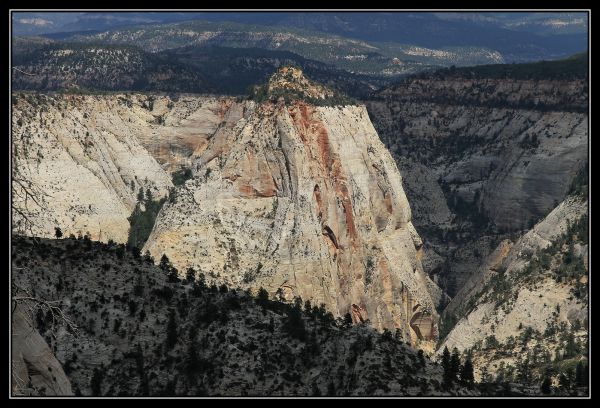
83,163
527,308
486,152
303,201
87,156
34,367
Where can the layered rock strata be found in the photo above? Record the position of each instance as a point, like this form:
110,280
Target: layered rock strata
303,201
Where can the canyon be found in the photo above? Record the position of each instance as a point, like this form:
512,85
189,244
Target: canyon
483,158
444,209
304,201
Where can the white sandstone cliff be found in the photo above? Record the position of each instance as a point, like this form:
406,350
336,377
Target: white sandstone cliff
307,202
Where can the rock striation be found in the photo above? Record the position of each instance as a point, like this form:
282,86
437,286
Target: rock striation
303,201
81,160
87,156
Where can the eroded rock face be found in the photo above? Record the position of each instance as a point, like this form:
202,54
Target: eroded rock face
35,370
481,158
81,158
303,201
88,155
536,303
291,80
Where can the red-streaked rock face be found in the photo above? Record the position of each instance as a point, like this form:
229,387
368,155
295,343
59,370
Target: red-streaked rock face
312,204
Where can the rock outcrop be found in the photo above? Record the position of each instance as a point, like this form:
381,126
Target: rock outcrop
505,298
482,158
303,201
86,157
34,367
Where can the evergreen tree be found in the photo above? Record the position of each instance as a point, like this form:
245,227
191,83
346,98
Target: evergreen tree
454,365
136,252
466,374
262,297
566,380
524,371
148,195
446,367
294,324
165,264
271,326
190,275
192,362
331,389
96,382
316,391
546,386
581,374
148,257
58,233
571,348
172,276
201,281
421,357
308,308
170,388
485,376
347,320
171,330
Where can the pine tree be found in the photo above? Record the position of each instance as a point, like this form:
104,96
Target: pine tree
58,233
524,371
192,362
190,275
454,365
546,386
421,357
466,374
271,326
294,324
446,366
316,391
171,330
347,320
262,297
96,382
581,374
165,264
571,348
172,276
308,307
148,195
331,389
201,281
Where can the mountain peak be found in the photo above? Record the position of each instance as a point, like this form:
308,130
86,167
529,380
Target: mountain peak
290,84
292,78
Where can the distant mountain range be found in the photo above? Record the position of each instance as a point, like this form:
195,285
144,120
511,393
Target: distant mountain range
51,66
47,65
518,37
